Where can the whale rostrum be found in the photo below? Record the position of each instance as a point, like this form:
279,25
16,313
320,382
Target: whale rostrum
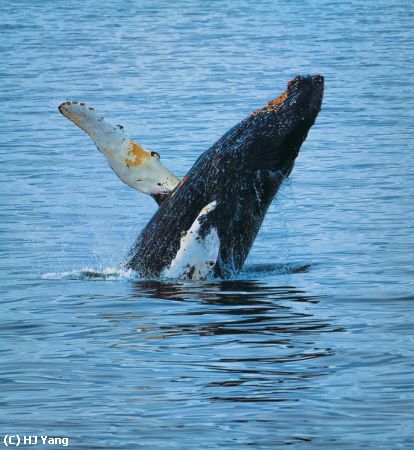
206,223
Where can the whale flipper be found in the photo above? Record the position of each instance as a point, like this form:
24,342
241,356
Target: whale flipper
133,164
199,249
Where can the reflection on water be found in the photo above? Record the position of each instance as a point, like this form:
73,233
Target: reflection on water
243,362
258,320
167,360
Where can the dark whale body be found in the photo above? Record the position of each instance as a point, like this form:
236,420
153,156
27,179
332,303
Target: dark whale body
242,172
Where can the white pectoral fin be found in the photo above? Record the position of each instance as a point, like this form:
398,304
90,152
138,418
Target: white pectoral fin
132,163
198,252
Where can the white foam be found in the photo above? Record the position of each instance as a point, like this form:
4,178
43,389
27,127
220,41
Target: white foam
89,273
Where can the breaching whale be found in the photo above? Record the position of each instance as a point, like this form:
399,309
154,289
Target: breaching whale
207,222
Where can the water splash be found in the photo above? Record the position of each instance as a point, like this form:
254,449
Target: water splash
122,274
88,273
274,269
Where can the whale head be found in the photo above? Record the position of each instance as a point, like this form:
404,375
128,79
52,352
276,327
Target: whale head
276,132
262,155
241,173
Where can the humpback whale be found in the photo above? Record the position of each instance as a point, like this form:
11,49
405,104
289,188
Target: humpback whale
207,222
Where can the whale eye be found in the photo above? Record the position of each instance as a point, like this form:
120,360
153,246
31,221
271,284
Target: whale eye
155,155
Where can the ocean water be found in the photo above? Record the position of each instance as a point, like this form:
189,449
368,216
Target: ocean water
312,345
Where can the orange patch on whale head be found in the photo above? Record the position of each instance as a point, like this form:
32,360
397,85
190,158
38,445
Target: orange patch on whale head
138,155
273,105
277,101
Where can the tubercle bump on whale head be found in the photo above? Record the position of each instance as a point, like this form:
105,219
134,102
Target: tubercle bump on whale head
310,87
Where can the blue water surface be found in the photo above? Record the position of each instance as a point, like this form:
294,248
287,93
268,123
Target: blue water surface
312,345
